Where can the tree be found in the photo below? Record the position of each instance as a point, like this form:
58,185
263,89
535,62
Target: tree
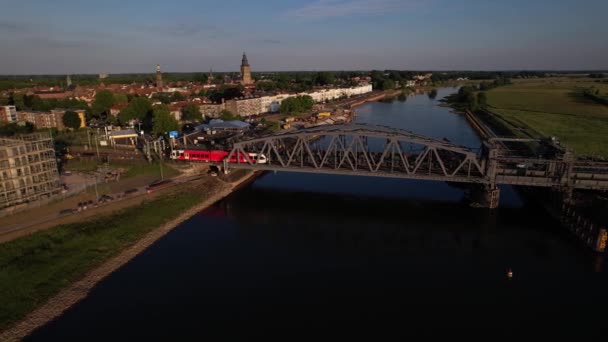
13,128
104,100
297,104
191,113
201,77
71,120
162,120
120,98
482,100
325,78
177,96
265,85
388,84
17,99
37,104
138,109
227,115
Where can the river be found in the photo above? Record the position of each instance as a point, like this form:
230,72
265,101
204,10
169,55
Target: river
297,254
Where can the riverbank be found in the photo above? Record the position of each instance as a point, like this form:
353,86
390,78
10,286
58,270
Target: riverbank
36,269
371,97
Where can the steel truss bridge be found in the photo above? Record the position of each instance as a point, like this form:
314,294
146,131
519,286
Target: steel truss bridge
367,150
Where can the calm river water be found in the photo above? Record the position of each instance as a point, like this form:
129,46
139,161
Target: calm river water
292,255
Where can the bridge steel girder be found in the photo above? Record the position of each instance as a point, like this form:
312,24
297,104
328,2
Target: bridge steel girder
346,151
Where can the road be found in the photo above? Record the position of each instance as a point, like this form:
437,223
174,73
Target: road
8,232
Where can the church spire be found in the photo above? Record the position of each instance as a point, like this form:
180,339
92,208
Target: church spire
159,77
244,61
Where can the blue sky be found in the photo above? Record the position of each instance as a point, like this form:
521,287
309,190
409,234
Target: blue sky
86,36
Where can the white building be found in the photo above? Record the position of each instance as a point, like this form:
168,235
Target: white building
8,113
272,104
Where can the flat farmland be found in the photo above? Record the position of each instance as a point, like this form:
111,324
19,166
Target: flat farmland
556,107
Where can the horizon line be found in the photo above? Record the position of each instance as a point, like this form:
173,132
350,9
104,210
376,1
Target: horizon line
319,70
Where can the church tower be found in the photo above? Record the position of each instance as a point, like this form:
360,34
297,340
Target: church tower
159,77
68,81
245,71
210,76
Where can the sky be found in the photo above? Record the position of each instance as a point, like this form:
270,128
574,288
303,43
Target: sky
111,36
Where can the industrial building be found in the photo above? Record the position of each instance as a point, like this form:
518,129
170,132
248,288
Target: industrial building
28,169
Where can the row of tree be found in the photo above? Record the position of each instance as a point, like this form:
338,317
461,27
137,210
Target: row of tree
34,102
473,97
595,95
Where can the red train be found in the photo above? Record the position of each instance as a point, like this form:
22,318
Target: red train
216,156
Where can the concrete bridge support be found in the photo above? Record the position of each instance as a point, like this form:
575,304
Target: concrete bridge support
485,196
491,197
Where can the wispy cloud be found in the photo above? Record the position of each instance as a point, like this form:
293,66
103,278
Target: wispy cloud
7,26
45,36
185,29
340,8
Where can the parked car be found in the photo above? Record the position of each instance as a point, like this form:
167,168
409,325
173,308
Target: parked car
158,185
66,211
130,191
106,198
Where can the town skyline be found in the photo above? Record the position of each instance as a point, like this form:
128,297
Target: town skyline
68,37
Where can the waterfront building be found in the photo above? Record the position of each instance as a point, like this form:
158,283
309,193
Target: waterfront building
245,106
51,119
8,113
28,169
211,110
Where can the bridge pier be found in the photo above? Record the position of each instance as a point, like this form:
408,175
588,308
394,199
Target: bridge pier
485,196
491,197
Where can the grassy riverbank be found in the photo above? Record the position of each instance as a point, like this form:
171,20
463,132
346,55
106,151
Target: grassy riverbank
555,107
36,267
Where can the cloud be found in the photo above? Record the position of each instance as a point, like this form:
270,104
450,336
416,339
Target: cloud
271,41
341,8
13,27
35,35
52,43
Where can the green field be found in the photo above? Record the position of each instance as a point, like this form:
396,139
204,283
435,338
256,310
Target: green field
35,267
555,107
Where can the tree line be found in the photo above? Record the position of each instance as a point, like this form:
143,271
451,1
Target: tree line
297,104
474,97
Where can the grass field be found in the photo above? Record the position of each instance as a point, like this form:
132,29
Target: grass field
555,107
35,267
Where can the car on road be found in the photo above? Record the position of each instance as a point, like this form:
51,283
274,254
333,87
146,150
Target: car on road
67,211
130,191
105,198
158,185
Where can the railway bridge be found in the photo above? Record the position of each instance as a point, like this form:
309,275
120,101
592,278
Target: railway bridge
368,150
